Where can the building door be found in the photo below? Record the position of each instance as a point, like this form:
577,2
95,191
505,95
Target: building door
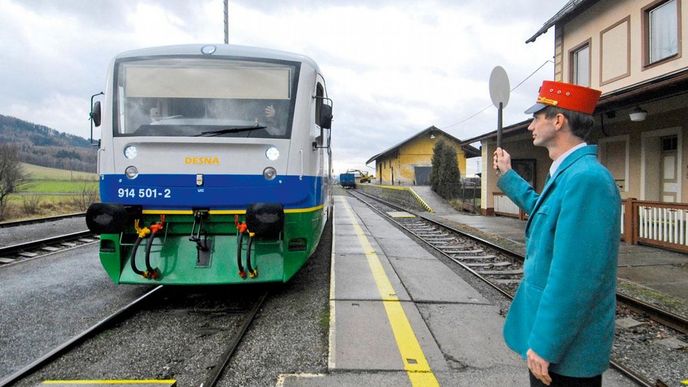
422,175
669,168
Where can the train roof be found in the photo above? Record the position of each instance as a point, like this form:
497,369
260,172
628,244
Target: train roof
220,50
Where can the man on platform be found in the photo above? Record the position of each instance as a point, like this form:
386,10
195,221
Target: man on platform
562,317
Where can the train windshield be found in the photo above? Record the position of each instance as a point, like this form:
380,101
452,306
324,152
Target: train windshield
204,97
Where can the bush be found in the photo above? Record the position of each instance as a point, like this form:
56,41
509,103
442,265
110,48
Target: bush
87,196
30,204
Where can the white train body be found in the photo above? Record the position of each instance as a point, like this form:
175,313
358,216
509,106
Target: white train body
212,130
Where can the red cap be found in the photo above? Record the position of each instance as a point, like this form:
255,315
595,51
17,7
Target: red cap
566,96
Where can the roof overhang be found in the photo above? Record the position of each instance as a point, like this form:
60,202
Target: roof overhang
468,150
659,88
572,9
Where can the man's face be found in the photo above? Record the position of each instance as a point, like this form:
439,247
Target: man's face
542,129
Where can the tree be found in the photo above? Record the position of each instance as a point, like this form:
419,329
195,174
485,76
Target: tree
450,176
445,178
10,173
437,152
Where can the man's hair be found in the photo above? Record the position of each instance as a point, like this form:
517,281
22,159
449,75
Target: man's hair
580,123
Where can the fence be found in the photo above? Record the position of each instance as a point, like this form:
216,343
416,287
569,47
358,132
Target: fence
658,224
505,207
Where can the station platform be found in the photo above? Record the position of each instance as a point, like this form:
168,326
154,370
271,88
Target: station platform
400,317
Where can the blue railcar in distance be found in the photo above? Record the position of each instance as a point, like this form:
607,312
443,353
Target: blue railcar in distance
347,180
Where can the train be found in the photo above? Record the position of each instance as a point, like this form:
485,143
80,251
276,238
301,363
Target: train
214,165
347,180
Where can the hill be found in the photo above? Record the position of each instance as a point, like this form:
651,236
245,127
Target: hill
37,172
44,146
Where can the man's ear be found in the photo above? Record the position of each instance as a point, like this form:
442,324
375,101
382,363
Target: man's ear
559,121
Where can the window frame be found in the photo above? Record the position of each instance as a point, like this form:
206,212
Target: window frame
293,87
645,16
572,62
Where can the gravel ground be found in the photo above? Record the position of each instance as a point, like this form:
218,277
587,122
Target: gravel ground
177,336
181,336
47,300
640,349
290,333
14,235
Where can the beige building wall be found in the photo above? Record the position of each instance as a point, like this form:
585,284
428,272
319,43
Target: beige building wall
616,25
632,151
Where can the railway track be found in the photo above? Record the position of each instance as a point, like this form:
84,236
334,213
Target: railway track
25,222
79,338
157,297
502,269
32,249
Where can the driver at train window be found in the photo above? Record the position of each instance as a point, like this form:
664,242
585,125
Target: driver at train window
272,125
155,114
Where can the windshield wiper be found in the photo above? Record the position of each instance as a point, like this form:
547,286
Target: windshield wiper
233,129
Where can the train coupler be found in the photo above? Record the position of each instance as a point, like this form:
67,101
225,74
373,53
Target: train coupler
200,216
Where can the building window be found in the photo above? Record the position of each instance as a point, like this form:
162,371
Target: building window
580,65
661,31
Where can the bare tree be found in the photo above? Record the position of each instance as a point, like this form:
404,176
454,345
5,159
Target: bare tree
10,173
82,200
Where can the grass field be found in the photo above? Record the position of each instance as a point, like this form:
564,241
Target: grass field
37,172
49,191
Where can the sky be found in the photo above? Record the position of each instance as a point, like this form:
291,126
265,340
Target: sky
392,67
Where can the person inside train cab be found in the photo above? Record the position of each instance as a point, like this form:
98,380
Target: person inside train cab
561,320
273,116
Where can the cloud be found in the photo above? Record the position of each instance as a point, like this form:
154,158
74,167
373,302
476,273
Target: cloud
393,68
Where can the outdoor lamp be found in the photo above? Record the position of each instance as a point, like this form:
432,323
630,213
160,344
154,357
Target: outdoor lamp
637,114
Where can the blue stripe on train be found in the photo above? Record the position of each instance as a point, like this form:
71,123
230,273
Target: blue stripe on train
159,191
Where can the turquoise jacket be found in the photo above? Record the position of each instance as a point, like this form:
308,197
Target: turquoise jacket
564,308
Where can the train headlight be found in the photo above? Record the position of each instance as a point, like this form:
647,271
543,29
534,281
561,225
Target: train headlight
131,172
272,153
269,173
130,152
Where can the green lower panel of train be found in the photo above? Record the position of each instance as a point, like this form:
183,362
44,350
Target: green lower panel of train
209,248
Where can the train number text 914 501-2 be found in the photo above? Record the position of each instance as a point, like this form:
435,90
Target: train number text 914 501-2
146,193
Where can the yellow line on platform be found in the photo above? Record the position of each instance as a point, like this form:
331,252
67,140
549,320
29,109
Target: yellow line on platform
415,364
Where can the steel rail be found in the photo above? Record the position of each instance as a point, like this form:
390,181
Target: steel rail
638,379
9,250
662,316
23,222
64,347
216,372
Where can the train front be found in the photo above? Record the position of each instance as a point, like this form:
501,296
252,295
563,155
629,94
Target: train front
204,177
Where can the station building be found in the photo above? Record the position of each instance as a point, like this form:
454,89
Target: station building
631,50
410,162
